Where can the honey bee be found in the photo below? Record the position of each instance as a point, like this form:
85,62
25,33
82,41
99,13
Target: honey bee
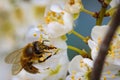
24,58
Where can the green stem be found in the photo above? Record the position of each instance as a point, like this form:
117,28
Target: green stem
87,11
111,11
81,52
85,39
78,35
102,12
101,16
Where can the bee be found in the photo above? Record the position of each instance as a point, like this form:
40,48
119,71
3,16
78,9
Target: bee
24,58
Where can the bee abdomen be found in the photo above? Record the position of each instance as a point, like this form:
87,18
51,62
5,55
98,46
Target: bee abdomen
30,68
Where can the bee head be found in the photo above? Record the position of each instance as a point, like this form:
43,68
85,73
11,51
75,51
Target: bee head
38,47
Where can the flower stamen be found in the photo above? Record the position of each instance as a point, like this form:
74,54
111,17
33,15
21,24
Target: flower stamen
53,16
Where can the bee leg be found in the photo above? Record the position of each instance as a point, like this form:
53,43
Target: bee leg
51,47
56,51
48,57
46,41
46,51
44,59
30,68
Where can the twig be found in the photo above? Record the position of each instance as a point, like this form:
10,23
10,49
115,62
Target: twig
99,62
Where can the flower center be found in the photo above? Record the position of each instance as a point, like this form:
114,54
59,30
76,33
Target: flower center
53,16
73,75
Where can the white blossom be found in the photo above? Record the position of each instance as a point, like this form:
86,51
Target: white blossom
97,35
79,68
73,6
59,22
110,72
5,69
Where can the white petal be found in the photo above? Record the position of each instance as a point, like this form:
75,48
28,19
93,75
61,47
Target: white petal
94,50
115,60
77,76
54,29
114,3
5,69
74,8
92,44
33,34
88,62
41,2
59,43
110,72
74,65
98,32
56,8
68,20
30,34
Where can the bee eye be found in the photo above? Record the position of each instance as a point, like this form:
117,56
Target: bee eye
36,47
29,50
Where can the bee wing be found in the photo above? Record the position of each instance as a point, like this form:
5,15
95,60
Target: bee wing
14,57
16,68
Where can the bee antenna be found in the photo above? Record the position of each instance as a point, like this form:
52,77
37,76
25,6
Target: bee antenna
45,41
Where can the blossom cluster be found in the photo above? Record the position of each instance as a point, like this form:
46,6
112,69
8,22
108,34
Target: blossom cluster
51,20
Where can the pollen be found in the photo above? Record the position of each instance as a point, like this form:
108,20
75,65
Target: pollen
41,38
113,76
73,75
47,19
99,41
108,72
97,48
34,34
40,27
111,51
49,14
106,63
112,54
104,78
54,17
53,13
42,59
81,63
62,13
61,21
